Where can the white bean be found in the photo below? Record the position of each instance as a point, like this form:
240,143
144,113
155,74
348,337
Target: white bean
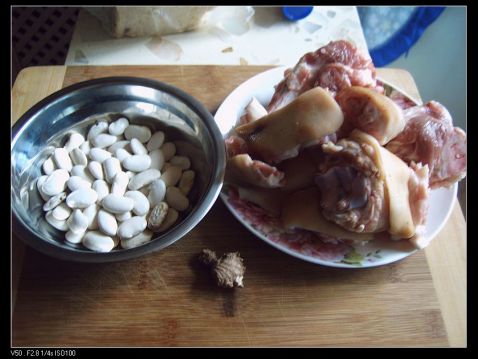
157,159
85,147
142,133
111,167
121,217
181,161
77,222
60,225
98,242
132,227
99,154
157,191
156,141
54,201
78,157
117,204
171,175
62,159
101,188
120,144
141,203
137,147
144,190
56,182
170,219
176,199
96,170
81,198
117,127
73,237
186,182
116,241
91,212
107,223
166,166
103,140
77,182
137,163
61,212
95,130
140,166
169,150
40,181
76,140
120,183
82,172
48,166
139,239
143,179
157,216
122,154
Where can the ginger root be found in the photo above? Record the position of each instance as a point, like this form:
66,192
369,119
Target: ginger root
227,270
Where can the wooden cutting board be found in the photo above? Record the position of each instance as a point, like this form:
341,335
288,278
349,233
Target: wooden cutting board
166,299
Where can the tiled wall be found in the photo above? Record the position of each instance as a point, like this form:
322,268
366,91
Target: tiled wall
41,35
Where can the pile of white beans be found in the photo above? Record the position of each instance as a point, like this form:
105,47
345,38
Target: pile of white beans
118,186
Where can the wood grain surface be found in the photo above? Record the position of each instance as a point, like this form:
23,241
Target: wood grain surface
166,299
31,86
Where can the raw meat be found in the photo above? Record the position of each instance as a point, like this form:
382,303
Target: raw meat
304,122
364,188
430,138
334,66
242,170
370,112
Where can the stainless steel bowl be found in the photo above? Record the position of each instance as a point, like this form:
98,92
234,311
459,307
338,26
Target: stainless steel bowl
151,103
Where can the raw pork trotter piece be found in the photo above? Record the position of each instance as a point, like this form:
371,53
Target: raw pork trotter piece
269,199
235,146
242,170
254,111
282,133
362,189
370,112
299,171
430,138
302,210
333,67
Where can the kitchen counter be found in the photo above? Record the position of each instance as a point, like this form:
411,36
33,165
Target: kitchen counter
267,38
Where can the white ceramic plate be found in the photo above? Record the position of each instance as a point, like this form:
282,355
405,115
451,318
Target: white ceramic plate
302,244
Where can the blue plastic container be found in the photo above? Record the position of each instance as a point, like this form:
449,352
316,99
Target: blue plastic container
295,13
